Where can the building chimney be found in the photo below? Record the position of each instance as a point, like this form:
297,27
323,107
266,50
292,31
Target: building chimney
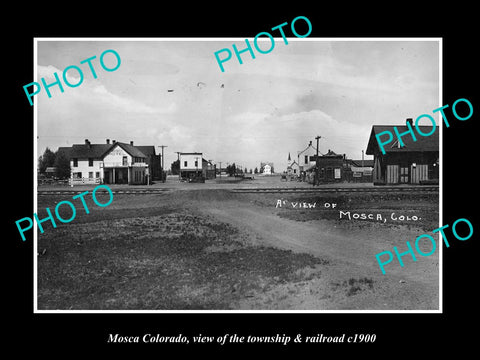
410,121
108,141
131,143
310,144
114,141
87,142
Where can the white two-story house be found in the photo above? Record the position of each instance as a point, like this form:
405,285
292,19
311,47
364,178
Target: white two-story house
116,163
306,158
191,165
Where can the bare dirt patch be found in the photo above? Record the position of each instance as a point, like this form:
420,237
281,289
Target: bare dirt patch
170,262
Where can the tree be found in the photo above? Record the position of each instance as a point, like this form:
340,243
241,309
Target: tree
62,165
175,167
46,160
251,170
255,171
233,170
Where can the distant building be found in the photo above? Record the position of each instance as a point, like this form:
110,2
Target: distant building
358,170
153,160
330,167
209,169
293,169
50,171
109,163
193,165
266,168
416,162
306,158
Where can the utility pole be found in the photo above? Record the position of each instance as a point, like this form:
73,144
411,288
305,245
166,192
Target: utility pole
163,162
317,180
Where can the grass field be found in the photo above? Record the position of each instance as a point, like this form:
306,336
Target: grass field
213,249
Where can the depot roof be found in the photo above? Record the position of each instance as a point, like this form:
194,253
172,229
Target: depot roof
422,143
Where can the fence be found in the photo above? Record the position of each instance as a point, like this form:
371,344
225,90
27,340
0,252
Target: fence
85,181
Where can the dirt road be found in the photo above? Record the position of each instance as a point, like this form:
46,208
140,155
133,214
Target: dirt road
348,249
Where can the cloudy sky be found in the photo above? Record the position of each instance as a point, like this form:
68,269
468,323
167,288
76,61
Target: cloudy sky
256,111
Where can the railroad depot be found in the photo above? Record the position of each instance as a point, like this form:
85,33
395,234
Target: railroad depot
413,162
112,163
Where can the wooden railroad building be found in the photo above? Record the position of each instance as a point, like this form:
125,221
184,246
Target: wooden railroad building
416,162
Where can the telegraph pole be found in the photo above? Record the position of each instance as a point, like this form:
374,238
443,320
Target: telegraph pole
317,180
163,162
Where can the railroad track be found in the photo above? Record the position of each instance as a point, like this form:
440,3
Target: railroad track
116,191
379,189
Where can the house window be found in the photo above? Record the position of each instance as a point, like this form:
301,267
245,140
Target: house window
90,162
124,161
90,174
77,175
97,174
75,162
294,171
306,159
196,163
185,163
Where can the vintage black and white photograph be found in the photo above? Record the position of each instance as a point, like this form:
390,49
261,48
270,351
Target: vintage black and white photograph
210,175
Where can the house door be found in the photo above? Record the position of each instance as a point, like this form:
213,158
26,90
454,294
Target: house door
404,175
107,176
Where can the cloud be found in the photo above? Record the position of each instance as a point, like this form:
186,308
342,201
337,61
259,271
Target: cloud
72,76
119,103
93,94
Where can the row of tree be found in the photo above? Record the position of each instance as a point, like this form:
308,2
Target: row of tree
56,159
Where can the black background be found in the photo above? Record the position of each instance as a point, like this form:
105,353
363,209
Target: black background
403,334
